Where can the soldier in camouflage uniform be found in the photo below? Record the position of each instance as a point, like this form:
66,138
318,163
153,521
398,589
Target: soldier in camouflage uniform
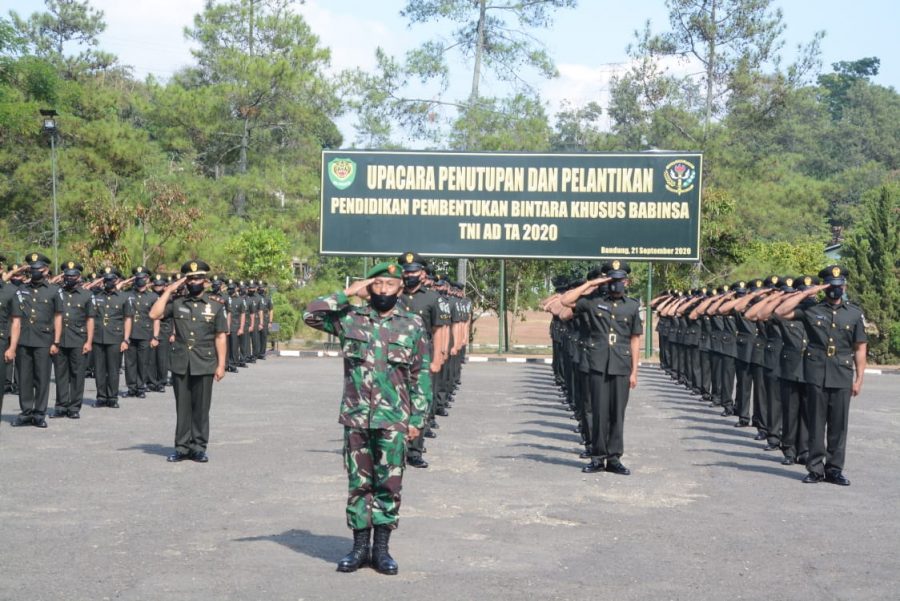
383,406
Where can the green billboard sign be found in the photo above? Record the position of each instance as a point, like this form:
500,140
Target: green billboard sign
512,205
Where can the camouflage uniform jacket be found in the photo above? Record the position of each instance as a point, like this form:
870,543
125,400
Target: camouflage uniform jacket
382,360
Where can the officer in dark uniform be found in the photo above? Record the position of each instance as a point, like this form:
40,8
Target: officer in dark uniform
442,346
75,344
265,311
772,359
16,276
249,324
417,299
198,356
160,344
614,348
143,331
112,330
253,299
744,332
36,338
837,344
234,305
7,296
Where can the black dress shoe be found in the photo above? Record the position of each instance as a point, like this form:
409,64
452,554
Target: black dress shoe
441,411
760,436
728,412
199,457
430,434
434,425
130,393
99,403
836,477
787,461
584,455
142,395
772,447
593,467
813,478
801,459
417,462
58,413
176,457
74,415
21,421
577,429
617,468
112,404
743,423
40,422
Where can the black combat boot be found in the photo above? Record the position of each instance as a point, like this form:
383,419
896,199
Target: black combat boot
381,558
359,556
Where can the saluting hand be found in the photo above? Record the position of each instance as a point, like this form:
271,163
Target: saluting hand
174,286
359,288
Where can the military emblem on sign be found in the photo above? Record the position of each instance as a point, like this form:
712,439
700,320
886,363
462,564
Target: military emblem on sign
680,176
341,173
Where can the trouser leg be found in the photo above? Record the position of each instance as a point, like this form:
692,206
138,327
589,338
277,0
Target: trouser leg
142,349
389,459
131,366
790,421
618,390
63,375
181,386
25,369
726,383
837,422
201,400
760,414
743,390
76,360
418,444
773,408
360,466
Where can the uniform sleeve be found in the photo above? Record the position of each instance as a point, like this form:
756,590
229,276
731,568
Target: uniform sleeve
456,315
221,320
58,305
859,330
442,312
16,307
128,307
417,398
637,324
90,310
325,312
169,310
582,305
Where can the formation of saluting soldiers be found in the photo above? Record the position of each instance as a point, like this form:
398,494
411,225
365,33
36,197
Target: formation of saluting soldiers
769,353
403,354
596,331
164,329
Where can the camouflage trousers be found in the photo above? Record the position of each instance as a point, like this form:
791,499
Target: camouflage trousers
374,460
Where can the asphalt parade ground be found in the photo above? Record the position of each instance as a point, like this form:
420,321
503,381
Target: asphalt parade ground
90,510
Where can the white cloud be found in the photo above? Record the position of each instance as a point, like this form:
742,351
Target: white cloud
352,40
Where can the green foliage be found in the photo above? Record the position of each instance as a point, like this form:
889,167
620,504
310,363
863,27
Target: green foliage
872,254
260,252
846,74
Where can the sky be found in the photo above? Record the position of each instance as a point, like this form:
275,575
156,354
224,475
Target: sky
587,43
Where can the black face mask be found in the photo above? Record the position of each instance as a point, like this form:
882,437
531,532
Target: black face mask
140,282
70,282
410,282
195,288
741,292
36,275
617,287
834,292
382,302
109,285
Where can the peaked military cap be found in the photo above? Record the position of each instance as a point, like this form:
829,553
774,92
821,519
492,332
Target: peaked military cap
158,280
616,269
34,259
789,283
195,267
71,268
834,275
773,281
806,281
385,269
757,284
139,271
110,273
739,286
411,261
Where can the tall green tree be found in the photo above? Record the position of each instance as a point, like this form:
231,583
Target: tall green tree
872,254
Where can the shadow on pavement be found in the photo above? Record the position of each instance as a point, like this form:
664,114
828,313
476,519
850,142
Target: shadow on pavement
150,449
321,546
762,469
545,459
735,441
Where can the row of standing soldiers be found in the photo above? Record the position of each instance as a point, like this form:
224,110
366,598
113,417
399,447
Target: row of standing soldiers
771,354
596,330
79,327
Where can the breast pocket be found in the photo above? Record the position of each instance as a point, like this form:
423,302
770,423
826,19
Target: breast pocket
355,345
399,349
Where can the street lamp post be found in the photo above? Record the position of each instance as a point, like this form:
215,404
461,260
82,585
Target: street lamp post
49,128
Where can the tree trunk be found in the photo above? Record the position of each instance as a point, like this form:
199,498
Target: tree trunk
479,50
710,68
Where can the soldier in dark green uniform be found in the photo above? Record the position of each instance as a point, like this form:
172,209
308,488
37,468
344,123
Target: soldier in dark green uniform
615,339
265,312
234,304
415,298
198,356
112,331
37,313
7,296
249,324
383,406
442,345
160,344
143,331
837,344
75,344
